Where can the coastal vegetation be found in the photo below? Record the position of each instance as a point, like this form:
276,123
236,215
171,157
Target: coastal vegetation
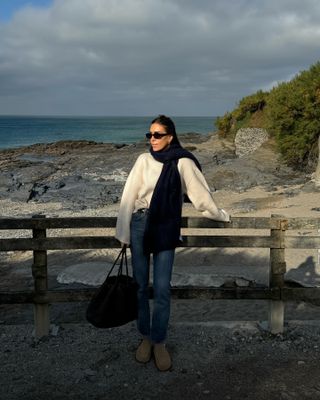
291,114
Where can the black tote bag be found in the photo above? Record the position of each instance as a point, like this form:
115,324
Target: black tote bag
115,302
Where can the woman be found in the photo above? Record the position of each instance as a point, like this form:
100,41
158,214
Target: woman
149,221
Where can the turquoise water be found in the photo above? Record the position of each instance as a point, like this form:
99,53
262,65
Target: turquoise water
23,131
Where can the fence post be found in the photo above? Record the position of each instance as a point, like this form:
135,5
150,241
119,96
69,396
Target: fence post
277,271
40,276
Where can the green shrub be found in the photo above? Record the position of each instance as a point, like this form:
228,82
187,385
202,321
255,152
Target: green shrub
293,113
250,104
224,124
290,112
240,116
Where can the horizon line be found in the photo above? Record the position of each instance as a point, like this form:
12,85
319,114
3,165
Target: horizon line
101,116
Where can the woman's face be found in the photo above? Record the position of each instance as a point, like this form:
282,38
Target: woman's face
163,142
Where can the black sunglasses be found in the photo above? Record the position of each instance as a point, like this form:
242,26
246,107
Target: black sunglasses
156,135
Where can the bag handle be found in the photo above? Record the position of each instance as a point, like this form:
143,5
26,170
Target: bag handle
122,255
124,260
126,263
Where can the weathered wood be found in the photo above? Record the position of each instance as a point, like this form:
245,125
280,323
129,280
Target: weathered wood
16,297
279,265
307,294
277,253
226,241
97,242
59,243
277,271
195,292
277,293
187,222
40,276
235,223
84,294
303,223
57,223
276,316
218,293
110,222
302,242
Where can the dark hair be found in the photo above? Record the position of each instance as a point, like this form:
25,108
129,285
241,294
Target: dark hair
169,126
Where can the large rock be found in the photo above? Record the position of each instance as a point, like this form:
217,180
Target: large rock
317,171
248,140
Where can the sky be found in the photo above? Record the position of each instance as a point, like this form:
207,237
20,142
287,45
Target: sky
146,57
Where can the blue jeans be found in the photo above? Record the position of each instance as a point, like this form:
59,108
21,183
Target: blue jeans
155,328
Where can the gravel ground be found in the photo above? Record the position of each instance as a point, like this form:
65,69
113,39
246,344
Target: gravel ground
210,361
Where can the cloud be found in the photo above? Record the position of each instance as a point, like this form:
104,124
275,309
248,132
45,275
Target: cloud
149,56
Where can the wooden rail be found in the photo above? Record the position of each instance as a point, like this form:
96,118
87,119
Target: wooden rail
276,240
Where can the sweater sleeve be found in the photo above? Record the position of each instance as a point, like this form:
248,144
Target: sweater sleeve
127,203
199,192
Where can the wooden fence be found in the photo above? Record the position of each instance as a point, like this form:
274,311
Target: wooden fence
277,240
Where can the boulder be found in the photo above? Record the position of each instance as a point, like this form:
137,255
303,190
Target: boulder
248,140
316,175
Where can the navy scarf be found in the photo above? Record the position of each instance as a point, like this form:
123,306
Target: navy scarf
164,222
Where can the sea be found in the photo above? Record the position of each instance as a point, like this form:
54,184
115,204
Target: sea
17,131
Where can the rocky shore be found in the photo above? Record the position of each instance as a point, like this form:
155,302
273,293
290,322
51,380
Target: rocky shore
220,350
82,175
80,178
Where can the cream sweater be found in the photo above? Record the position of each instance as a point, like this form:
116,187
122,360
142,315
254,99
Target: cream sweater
138,190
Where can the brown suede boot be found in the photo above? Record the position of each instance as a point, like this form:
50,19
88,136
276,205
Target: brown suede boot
162,357
143,353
